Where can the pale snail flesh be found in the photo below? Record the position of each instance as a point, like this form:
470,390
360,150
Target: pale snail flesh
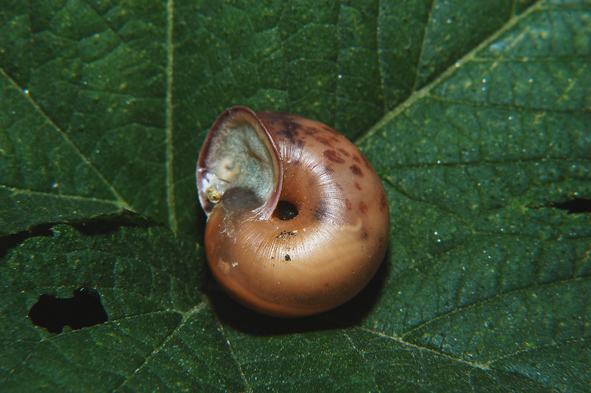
298,220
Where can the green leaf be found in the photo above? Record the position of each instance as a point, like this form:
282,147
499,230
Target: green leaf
476,115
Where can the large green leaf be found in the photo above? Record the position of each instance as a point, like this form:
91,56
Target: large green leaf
475,114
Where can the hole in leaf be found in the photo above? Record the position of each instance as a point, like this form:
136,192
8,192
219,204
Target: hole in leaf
285,211
108,223
84,309
574,206
10,241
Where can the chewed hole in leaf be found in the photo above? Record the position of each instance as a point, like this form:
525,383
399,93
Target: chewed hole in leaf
11,241
574,206
84,309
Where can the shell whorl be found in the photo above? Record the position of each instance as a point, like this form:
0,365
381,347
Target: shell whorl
318,256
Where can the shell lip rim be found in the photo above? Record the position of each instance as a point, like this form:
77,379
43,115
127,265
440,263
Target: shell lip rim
264,211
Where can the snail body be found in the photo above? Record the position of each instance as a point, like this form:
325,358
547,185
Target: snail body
298,220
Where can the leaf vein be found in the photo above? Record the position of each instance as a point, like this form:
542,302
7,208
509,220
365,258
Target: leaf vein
481,302
233,354
85,159
170,194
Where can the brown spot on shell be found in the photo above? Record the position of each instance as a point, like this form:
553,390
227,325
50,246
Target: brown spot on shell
334,156
288,134
363,207
345,152
348,205
331,130
357,186
289,130
364,234
310,131
356,170
356,158
274,118
325,141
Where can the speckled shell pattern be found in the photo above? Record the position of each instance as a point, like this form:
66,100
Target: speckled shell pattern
329,251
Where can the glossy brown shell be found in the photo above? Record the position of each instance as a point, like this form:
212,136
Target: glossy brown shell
324,255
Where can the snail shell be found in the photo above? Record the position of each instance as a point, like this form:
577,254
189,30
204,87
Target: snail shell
298,220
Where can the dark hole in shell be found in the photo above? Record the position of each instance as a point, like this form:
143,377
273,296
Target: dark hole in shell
285,211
